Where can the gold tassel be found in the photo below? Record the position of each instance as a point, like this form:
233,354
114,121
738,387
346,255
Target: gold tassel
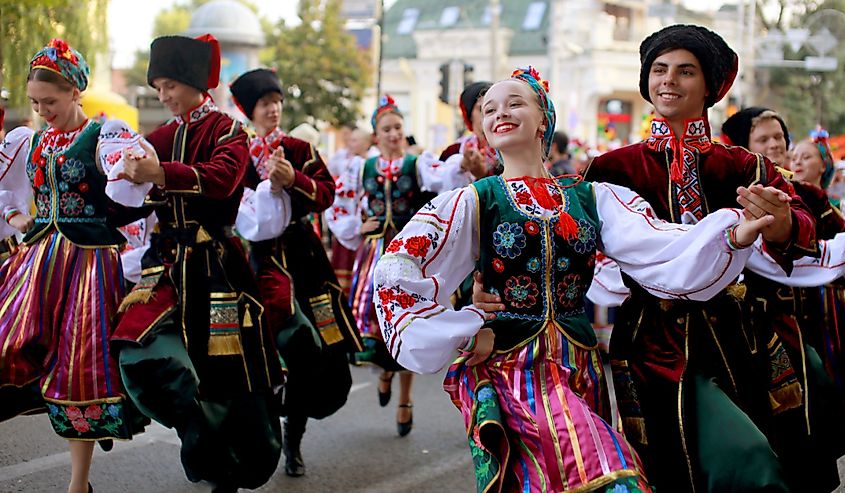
634,430
247,317
737,291
203,236
785,398
135,296
224,345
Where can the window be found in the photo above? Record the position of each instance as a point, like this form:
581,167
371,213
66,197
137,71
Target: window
487,16
409,20
534,16
449,17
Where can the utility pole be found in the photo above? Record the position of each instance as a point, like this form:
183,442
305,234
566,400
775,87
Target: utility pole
494,39
380,28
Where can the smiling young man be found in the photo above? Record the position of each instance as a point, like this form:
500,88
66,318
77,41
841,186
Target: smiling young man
195,353
697,382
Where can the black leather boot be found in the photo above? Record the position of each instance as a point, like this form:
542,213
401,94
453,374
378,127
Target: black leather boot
293,432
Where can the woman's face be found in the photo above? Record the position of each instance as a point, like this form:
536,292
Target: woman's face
56,104
807,163
268,111
512,116
390,134
767,138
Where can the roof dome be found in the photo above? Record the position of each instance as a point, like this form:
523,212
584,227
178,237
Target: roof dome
229,21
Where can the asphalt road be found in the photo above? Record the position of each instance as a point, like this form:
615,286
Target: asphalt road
355,451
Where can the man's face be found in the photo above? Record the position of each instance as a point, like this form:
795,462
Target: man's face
767,138
676,85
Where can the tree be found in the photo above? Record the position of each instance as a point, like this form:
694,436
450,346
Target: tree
322,71
25,27
806,98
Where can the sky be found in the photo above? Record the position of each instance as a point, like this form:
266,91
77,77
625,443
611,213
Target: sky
131,27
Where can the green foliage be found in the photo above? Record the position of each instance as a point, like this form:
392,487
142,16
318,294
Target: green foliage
323,72
809,98
25,27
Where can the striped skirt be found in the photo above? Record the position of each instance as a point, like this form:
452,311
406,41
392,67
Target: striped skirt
56,315
537,421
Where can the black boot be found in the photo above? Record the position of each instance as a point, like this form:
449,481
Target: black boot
294,430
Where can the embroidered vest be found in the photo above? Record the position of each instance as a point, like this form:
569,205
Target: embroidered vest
541,277
393,200
73,197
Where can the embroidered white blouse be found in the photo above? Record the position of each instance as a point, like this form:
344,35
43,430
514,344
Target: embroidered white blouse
344,217
424,331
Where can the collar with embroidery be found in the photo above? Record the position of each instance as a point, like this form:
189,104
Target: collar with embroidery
694,141
204,109
260,149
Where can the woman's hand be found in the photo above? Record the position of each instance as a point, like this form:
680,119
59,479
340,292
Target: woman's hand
759,201
473,162
748,230
484,340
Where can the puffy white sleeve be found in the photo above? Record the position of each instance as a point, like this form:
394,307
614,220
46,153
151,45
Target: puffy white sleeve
667,259
15,189
262,214
115,137
137,236
441,176
607,288
344,216
806,272
420,269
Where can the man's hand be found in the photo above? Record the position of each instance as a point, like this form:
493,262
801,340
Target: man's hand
21,222
487,302
758,201
281,171
483,347
473,162
142,167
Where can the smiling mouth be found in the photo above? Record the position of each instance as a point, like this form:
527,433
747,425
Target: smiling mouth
669,97
503,128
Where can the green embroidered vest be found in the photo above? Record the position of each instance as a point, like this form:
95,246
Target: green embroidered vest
393,200
73,197
541,277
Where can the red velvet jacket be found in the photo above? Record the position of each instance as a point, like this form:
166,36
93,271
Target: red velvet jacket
721,170
206,167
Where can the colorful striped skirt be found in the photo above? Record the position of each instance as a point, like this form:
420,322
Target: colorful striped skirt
537,421
56,315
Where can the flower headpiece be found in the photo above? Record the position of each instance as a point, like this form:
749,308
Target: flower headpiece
60,58
820,137
386,104
531,76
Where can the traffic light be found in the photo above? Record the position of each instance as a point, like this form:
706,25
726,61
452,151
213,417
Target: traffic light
468,70
444,83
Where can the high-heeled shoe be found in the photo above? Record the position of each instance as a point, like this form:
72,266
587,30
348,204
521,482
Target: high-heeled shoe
384,397
405,428
90,488
106,445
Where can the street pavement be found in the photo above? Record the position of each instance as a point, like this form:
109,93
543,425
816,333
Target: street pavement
355,451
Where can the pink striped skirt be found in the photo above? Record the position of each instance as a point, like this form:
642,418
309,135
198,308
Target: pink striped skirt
56,316
537,421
